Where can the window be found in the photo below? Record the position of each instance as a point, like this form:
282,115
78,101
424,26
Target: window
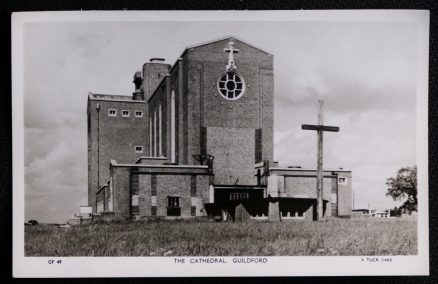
89,123
155,133
154,210
138,113
110,202
193,210
150,136
173,201
159,131
173,208
290,213
334,198
258,145
193,185
342,180
112,112
231,86
334,209
239,195
125,113
203,138
100,206
134,183
154,185
134,204
138,149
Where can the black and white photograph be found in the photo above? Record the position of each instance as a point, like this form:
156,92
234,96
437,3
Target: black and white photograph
220,143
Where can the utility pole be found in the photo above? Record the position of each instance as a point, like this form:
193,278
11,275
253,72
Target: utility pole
320,128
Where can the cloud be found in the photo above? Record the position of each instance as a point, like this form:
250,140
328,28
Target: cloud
55,174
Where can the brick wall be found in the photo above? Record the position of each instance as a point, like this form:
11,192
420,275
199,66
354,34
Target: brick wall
305,186
345,195
169,181
118,137
176,186
121,191
233,149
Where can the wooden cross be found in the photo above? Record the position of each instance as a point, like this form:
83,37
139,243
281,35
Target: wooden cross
231,66
320,128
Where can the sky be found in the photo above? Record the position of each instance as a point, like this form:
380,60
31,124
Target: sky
364,71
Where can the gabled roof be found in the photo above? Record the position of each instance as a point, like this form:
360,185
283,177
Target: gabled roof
224,38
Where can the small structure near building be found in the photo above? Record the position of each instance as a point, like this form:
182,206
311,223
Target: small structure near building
84,217
373,213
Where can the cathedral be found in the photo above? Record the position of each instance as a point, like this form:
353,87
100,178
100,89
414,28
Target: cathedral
195,140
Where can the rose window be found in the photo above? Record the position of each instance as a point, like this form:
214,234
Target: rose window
231,86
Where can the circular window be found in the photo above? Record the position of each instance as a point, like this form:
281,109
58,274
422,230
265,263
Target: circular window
231,86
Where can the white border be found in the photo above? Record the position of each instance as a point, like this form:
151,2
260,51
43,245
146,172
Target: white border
165,266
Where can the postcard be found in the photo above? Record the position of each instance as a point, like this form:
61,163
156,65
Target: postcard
220,143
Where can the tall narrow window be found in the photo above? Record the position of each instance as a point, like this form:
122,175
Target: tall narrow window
193,211
89,123
134,204
134,194
155,133
150,136
154,185
135,184
110,198
258,145
160,129
203,137
172,128
193,185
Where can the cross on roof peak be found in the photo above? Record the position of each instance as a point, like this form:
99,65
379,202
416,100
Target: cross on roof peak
231,66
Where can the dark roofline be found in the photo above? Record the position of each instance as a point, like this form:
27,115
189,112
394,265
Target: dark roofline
115,99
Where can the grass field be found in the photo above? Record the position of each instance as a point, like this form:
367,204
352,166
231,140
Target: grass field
202,238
